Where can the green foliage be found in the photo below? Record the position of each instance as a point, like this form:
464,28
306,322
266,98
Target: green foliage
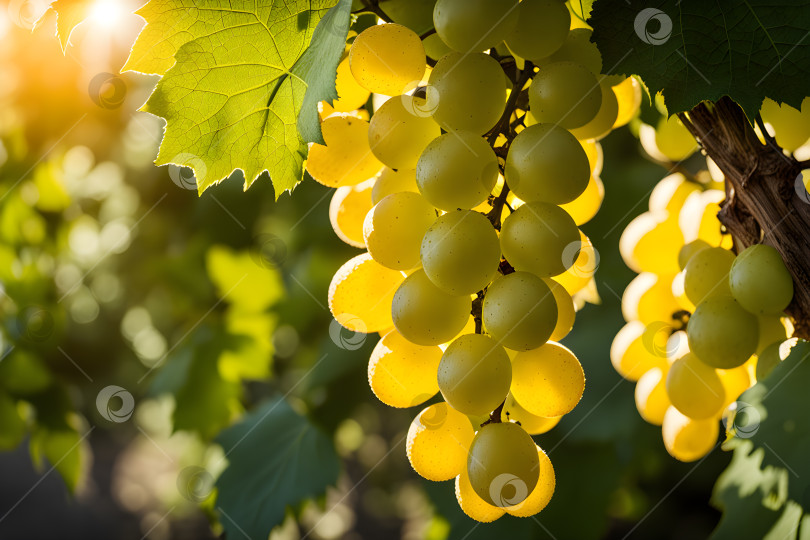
241,76
277,458
745,50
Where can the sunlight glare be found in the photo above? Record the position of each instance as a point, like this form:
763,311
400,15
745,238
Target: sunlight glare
106,13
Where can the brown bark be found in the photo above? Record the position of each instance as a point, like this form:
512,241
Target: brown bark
763,204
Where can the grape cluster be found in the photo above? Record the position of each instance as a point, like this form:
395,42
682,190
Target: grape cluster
466,187
703,324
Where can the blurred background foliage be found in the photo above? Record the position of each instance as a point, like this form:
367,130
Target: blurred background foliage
211,313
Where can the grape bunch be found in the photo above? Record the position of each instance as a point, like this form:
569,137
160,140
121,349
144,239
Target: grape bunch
703,323
465,179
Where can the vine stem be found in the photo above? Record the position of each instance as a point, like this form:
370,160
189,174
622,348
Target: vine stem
373,6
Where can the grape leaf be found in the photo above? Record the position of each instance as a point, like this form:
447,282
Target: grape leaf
236,77
694,51
69,14
277,458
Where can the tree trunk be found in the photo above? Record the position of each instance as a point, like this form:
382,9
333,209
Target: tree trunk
765,198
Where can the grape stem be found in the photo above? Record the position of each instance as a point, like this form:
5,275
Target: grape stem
495,416
503,127
373,6
427,34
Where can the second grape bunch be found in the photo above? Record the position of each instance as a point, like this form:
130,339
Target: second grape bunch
466,188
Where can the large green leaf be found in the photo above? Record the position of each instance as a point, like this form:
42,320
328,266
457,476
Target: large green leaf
693,50
236,77
277,458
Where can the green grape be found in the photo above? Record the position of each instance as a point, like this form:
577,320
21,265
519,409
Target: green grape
438,442
541,28
347,210
474,374
603,122
533,424
546,163
687,439
760,281
387,59
415,14
542,492
673,139
706,274
426,315
457,170
520,311
694,388
346,159
474,25
651,396
401,373
566,313
435,47
400,130
547,381
540,238
771,330
503,465
361,293
577,47
689,250
791,127
394,228
566,94
469,92
460,252
772,355
722,334
390,181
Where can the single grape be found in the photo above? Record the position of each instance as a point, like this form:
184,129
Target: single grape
687,439
520,311
689,250
566,313
633,353
401,373
546,163
540,238
602,123
348,209
566,94
346,159
460,252
547,381
415,14
584,208
694,388
361,293
468,92
471,504
651,396
649,299
542,492
628,95
503,465
722,334
674,140
390,181
426,315
760,281
706,274
791,127
577,47
394,228
474,374
474,25
351,95
541,29
400,130
771,329
651,242
438,442
671,192
533,424
387,59
457,170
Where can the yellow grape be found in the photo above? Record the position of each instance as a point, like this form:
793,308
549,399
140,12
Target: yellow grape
394,228
533,424
760,281
503,464
694,388
584,208
400,130
471,504
401,373
689,250
578,48
426,315
361,293
633,353
547,381
722,334
628,95
348,209
602,123
438,441
686,439
698,218
651,396
564,93
580,274
351,96
706,274
474,374
679,293
735,381
671,192
565,310
540,238
474,25
595,157
674,140
541,29
542,492
346,159
651,242
387,59
519,311
791,127
390,181
648,298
